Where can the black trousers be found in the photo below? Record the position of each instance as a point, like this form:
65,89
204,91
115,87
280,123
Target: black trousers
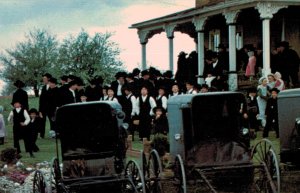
42,125
17,135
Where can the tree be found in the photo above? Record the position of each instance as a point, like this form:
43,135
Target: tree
30,59
88,57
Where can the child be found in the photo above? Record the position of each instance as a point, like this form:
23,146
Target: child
20,119
161,99
160,121
2,127
33,128
252,111
111,95
104,92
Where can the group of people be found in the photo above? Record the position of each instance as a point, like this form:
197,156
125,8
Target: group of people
143,94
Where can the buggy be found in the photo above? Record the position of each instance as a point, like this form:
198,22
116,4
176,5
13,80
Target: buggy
210,146
289,126
92,142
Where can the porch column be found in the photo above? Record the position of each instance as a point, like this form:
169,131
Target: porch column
267,10
199,25
169,29
232,74
143,35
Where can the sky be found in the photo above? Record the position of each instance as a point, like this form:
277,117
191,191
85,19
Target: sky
65,17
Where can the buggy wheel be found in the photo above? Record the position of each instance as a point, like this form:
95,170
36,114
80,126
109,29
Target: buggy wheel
144,162
267,175
179,175
39,184
153,173
135,176
55,175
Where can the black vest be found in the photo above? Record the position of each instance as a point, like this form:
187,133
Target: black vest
127,106
18,117
145,107
159,102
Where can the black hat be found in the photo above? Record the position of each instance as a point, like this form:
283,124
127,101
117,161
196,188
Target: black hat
275,90
136,71
252,90
47,75
209,55
145,72
53,80
71,83
19,84
64,78
182,53
221,46
33,110
128,87
168,74
284,44
159,108
204,86
120,74
130,75
79,81
190,82
105,87
72,77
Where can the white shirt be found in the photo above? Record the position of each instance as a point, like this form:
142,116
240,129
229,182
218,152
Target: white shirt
11,115
112,99
151,101
215,64
104,98
133,104
191,91
73,93
119,90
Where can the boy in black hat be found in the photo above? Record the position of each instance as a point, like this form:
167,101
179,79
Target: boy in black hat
33,127
160,121
130,109
272,114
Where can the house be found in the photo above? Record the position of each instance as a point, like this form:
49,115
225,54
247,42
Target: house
232,22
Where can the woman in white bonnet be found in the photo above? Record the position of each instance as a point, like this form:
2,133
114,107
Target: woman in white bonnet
279,83
2,127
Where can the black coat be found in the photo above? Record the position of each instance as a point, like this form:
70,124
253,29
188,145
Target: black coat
44,98
53,101
68,98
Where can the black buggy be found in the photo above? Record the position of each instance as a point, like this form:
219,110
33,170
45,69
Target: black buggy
210,147
92,143
289,127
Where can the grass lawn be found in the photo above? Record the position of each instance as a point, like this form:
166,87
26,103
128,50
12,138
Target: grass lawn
48,146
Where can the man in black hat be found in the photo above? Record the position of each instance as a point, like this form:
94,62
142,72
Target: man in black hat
272,114
117,85
223,56
70,94
130,108
20,95
53,102
288,64
43,102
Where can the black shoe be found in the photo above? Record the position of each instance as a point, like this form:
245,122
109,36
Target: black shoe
31,155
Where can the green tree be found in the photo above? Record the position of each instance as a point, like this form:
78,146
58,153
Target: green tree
87,56
30,59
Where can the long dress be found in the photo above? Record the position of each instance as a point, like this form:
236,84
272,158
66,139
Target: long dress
2,130
250,70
